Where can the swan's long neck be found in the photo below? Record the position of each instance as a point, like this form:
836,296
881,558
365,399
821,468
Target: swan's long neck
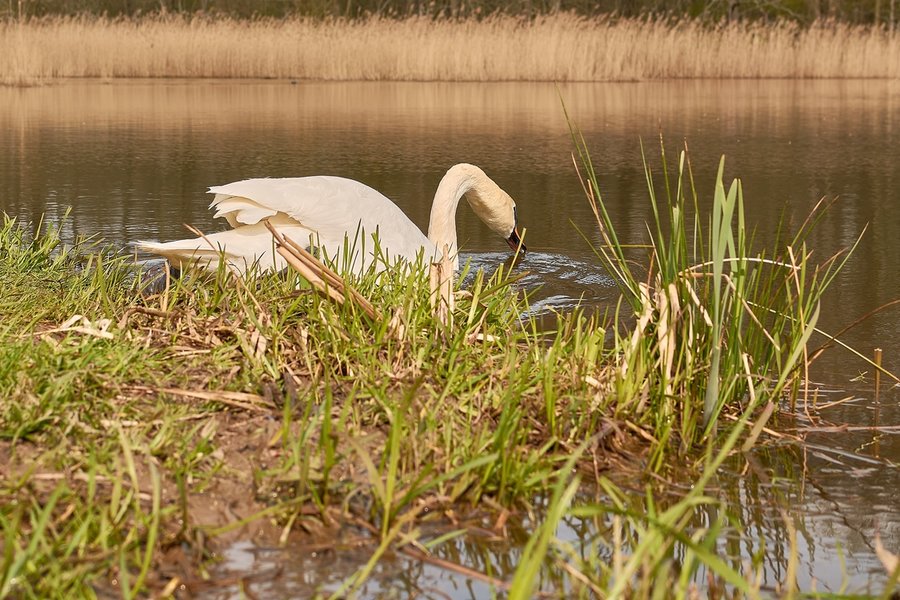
490,203
442,225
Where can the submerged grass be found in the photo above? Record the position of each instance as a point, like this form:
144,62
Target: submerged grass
137,428
560,47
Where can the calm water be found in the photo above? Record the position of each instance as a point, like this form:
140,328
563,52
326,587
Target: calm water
133,160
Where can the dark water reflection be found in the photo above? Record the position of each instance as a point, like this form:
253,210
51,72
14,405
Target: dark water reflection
133,160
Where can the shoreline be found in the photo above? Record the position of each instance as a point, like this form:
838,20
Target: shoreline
257,81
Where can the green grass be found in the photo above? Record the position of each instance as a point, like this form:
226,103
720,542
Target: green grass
404,411
716,326
304,412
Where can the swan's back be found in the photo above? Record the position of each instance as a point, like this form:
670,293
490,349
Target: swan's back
331,208
320,211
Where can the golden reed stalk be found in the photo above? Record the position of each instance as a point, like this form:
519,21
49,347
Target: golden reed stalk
560,47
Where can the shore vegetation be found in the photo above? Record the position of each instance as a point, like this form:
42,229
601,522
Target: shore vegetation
140,431
557,47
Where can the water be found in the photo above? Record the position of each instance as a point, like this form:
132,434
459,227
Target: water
133,160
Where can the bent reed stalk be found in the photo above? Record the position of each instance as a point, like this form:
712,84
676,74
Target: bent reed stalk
560,47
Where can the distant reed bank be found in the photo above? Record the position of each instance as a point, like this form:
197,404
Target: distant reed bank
561,47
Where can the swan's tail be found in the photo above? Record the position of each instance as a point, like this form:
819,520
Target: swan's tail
243,249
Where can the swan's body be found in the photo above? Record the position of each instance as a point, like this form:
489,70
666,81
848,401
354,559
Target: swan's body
333,214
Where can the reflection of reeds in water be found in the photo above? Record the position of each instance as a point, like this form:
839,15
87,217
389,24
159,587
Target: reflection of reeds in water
554,48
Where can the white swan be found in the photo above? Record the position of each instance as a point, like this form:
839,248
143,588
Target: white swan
324,211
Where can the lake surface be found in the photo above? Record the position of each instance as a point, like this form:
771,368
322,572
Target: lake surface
133,160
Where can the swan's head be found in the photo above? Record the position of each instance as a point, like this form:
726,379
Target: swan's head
492,205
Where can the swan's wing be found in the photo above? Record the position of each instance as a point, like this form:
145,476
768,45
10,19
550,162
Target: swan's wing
333,208
242,248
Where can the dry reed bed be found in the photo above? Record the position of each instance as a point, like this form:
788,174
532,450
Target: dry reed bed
555,48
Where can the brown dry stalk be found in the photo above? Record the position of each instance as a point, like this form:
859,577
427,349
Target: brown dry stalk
890,560
561,47
440,281
318,274
454,567
240,400
848,428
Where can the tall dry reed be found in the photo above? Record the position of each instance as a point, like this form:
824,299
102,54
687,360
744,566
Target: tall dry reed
561,47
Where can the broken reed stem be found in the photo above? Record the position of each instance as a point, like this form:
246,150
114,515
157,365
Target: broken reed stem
877,371
440,280
333,278
876,416
318,274
310,275
455,568
241,400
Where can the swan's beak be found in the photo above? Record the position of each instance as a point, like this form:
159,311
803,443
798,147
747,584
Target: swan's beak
515,242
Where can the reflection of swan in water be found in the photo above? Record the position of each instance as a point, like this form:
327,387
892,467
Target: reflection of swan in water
556,282
329,210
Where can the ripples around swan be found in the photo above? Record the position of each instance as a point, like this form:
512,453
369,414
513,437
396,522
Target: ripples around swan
554,282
